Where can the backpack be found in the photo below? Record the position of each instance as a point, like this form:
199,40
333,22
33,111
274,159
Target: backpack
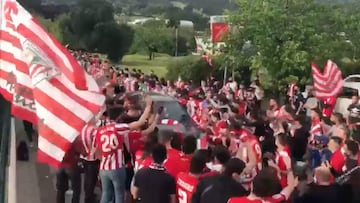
22,151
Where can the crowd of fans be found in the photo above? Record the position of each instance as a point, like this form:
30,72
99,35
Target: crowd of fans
299,152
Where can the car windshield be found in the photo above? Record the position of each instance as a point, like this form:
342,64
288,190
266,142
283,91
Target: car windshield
172,110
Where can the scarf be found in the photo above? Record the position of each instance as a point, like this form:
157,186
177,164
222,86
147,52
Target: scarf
156,166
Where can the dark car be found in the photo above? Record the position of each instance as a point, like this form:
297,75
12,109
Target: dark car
173,111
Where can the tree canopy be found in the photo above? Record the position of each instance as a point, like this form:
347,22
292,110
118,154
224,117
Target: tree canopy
90,25
287,35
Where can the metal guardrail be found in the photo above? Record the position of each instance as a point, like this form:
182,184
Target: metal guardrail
5,123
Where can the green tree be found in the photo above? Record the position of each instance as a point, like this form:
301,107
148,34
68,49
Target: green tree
153,37
286,36
91,26
189,68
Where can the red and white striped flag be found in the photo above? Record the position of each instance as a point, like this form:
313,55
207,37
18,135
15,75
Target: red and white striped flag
328,83
199,45
14,79
47,83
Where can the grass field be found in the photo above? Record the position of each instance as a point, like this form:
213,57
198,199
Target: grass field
143,63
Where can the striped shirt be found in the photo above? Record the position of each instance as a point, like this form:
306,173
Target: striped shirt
87,138
109,140
316,129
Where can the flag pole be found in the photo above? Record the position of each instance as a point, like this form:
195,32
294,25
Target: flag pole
5,119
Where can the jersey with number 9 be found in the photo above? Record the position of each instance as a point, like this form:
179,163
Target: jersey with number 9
185,186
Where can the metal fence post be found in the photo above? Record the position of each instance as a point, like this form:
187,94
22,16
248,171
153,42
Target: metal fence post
5,122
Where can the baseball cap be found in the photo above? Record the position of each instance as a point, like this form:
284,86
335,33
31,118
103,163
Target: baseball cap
321,139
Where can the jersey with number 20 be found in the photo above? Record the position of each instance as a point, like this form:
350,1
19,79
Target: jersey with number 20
109,140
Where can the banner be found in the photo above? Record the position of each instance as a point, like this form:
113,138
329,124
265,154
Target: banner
219,28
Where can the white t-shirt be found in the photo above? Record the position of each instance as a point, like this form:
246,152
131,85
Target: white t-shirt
311,101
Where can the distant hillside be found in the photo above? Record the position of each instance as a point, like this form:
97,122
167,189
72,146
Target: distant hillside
210,7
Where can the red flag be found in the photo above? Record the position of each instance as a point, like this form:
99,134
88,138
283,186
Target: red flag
48,85
218,31
328,83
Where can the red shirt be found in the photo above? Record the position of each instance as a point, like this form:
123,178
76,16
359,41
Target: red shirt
140,162
185,187
330,102
134,141
173,162
337,161
280,161
197,118
185,163
242,107
273,199
110,139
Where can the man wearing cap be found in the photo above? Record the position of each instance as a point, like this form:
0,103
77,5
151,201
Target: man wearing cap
320,153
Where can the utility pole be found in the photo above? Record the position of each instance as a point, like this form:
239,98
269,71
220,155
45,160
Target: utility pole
176,40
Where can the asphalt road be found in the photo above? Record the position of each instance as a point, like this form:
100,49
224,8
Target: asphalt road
35,182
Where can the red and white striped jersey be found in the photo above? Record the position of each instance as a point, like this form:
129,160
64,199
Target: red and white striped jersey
109,140
87,137
316,129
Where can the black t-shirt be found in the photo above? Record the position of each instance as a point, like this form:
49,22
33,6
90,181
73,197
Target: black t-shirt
298,98
217,189
319,194
298,143
353,106
154,185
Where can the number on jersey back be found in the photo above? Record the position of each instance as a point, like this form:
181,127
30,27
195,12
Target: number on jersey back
110,141
185,186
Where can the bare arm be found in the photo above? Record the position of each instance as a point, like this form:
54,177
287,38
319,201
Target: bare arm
291,185
135,191
173,198
152,126
137,124
300,107
151,118
214,104
252,158
241,153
